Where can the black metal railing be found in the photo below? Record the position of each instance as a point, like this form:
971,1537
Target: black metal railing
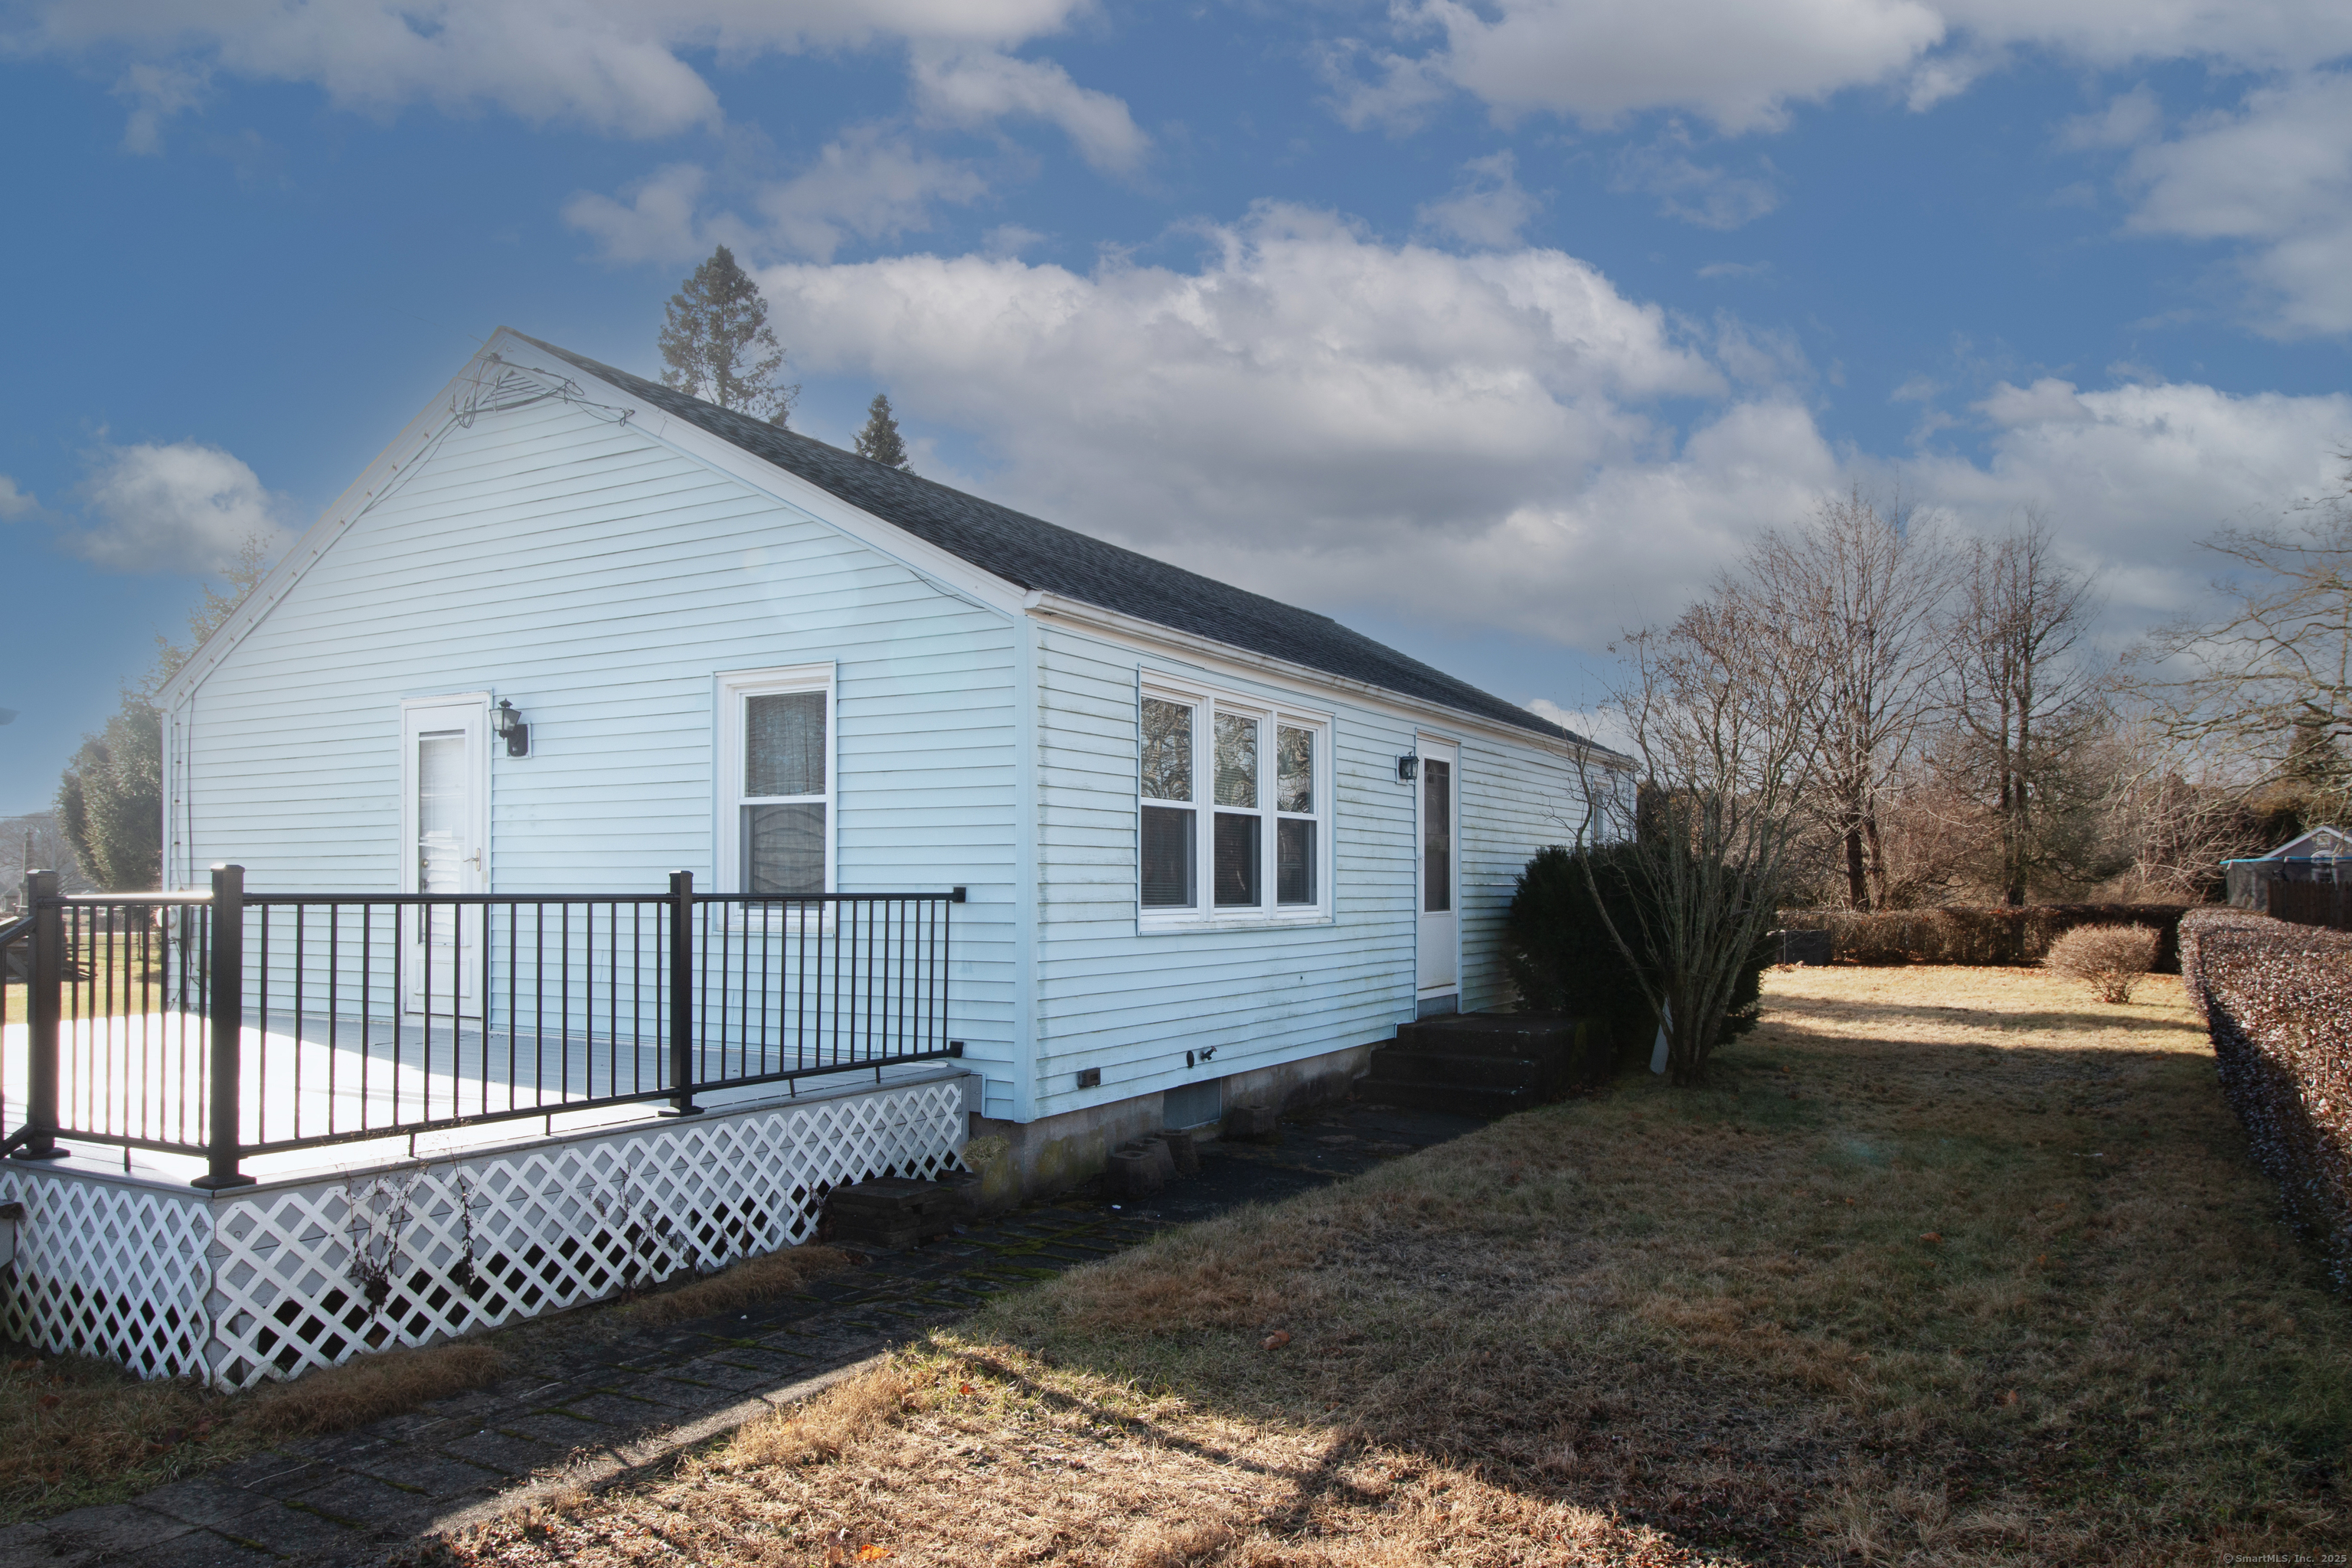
230,1024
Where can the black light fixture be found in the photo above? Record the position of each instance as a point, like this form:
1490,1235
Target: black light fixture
1407,768
506,723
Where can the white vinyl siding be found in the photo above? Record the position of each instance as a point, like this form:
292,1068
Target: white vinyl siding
602,581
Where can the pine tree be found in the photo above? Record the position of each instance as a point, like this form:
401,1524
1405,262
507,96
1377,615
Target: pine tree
716,344
879,440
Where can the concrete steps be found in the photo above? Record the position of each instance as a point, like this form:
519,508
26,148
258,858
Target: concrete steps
1484,1064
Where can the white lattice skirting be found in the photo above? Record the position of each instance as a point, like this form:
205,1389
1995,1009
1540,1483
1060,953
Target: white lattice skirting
265,1282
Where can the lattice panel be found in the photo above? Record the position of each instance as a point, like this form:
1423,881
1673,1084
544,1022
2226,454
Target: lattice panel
108,1270
311,1276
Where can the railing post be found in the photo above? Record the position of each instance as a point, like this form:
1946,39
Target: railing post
44,1007
226,1030
681,995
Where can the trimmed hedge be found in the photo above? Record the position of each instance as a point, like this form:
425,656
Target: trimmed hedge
1994,935
2277,1000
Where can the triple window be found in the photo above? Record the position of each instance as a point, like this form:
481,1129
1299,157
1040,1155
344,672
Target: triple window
1235,808
775,810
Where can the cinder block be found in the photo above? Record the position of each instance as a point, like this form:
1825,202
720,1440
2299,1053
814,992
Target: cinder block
1134,1173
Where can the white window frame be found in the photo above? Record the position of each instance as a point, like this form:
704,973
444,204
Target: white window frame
1204,913
734,688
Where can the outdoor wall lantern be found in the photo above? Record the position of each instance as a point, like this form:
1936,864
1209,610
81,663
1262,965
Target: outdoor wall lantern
1408,769
506,723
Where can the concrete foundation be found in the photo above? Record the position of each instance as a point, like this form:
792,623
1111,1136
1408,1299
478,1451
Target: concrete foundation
1041,1158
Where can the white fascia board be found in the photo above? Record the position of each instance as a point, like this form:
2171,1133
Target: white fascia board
1150,636
390,465
940,567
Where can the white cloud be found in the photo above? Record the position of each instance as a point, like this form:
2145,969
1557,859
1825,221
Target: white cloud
1738,63
1709,197
1741,64
185,507
870,183
2134,475
974,90
1333,419
610,65
156,93
1488,207
15,504
2277,175
1605,725
2129,118
1482,439
656,223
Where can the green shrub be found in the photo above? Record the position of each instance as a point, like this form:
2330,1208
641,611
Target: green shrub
1562,960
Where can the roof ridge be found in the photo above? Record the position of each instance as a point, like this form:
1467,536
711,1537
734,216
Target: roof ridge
1036,555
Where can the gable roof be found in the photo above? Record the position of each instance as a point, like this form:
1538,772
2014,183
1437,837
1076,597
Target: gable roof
1033,553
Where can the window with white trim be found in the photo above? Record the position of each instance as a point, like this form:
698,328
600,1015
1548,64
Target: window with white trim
1234,813
776,779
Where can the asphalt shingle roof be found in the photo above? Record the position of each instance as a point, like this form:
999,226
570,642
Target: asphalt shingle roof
1035,554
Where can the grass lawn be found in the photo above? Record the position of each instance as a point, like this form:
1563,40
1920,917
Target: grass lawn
119,970
1948,1266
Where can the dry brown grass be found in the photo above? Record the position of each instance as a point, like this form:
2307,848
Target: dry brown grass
1948,1267
389,1383
117,972
74,1430
747,1284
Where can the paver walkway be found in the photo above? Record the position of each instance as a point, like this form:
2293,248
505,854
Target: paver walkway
608,1405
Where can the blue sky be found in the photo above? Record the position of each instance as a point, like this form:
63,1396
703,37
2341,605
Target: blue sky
1490,329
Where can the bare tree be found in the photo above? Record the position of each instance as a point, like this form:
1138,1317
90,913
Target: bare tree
2022,699
2272,680
1719,711
1862,588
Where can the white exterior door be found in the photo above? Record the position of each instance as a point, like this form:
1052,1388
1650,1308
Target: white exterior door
1437,879
444,837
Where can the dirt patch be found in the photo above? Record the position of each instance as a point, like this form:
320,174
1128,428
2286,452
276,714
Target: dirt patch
1950,1266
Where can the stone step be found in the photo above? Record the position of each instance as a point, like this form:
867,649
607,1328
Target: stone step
897,1211
1400,1064
1461,1100
1549,1035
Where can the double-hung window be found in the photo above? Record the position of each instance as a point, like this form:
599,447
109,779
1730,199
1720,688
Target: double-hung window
1233,809
775,757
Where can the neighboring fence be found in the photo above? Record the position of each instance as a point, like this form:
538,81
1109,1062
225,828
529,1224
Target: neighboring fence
2312,903
228,1024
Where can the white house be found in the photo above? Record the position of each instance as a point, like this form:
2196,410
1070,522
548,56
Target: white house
1215,847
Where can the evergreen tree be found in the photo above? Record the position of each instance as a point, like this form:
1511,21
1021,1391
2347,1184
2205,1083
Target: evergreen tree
110,801
879,440
716,345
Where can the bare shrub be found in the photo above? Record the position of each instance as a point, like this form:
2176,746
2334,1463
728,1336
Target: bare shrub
2110,959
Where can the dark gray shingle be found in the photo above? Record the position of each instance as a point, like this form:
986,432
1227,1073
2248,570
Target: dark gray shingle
1033,553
